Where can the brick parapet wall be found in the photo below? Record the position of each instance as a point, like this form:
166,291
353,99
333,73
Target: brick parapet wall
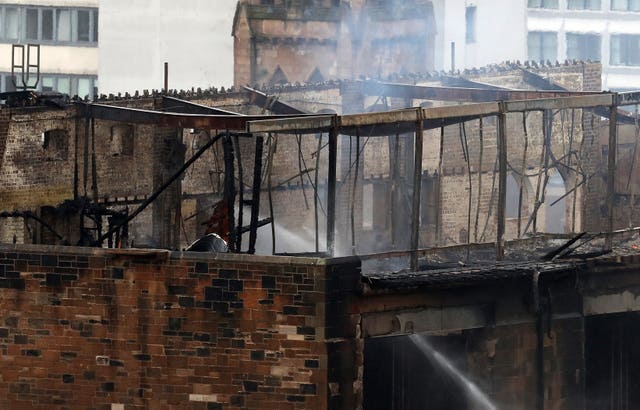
88,328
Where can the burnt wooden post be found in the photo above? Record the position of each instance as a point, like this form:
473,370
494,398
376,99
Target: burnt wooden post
417,189
331,187
230,189
611,168
255,195
502,181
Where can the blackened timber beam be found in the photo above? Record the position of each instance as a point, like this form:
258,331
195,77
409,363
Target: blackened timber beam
458,94
272,103
417,189
611,172
564,102
331,191
255,194
176,120
177,105
502,184
299,125
539,82
466,83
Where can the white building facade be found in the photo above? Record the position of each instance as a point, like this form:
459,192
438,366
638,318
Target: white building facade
491,31
67,33
138,37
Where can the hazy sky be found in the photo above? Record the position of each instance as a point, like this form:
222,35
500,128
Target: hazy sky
192,36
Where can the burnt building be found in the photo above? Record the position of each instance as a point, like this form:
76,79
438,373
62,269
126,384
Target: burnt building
310,41
423,265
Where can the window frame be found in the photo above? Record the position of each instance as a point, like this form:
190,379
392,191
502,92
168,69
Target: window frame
543,4
627,8
586,5
542,47
625,46
583,45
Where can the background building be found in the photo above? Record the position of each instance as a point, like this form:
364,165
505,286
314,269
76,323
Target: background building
553,30
67,32
193,36
288,41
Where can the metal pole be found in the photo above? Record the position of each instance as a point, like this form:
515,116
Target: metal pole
453,56
417,189
611,169
331,189
166,77
502,181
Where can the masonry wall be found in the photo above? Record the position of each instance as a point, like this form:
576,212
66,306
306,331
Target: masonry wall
86,328
497,323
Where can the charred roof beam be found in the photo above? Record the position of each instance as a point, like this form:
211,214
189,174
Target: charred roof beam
272,103
177,105
459,94
175,120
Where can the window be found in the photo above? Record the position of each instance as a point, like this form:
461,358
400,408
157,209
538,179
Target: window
82,86
542,46
513,197
470,19
122,140
83,26
625,49
625,5
367,206
11,23
583,4
55,144
583,46
46,24
63,25
31,31
543,4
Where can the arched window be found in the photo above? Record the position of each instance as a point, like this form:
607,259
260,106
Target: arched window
555,207
513,195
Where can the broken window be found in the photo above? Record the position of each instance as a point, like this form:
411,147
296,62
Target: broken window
611,355
470,18
625,49
400,374
583,4
625,5
555,207
543,4
55,144
542,45
583,46
122,140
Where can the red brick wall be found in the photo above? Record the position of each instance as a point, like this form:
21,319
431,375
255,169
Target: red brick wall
87,328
